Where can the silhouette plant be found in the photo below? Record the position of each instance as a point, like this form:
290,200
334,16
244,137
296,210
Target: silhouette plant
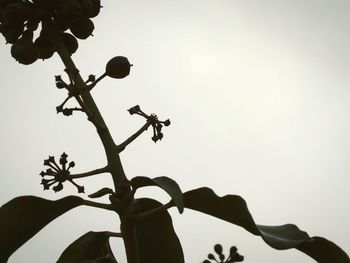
233,255
146,226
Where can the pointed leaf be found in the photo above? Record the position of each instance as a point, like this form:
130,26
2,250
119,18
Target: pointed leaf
233,209
157,240
24,216
166,183
101,192
323,251
91,247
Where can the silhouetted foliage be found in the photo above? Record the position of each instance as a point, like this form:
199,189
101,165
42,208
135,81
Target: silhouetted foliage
146,226
232,257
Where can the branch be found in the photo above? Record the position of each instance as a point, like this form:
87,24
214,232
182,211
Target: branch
93,172
121,147
89,106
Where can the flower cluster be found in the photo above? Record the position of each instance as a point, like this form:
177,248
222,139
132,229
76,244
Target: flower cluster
152,119
58,175
20,18
233,256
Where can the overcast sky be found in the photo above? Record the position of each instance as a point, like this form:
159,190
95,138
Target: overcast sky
258,95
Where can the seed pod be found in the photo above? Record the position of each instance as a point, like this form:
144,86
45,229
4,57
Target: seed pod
24,50
61,22
118,67
47,5
69,9
45,47
82,28
13,34
15,13
86,7
33,23
70,42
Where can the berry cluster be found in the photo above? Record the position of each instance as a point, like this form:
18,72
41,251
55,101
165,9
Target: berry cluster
20,18
233,257
57,174
152,119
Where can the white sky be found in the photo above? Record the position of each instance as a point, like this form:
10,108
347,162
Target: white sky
258,95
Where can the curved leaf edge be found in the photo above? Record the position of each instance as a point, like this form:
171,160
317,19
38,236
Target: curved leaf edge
169,185
280,237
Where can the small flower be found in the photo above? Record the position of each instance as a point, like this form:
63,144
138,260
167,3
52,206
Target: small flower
61,84
59,108
56,175
67,112
58,78
153,120
91,78
233,256
166,122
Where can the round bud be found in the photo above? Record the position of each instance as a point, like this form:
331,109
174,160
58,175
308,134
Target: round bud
96,7
13,34
24,51
70,42
45,47
82,28
118,67
69,9
15,13
218,249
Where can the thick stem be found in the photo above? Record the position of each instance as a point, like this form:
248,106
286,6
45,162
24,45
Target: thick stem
128,230
88,103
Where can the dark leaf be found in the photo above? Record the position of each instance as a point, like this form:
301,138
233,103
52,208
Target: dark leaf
24,216
101,192
166,183
233,209
157,240
92,247
323,251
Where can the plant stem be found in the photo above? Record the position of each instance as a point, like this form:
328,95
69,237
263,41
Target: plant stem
94,172
87,102
128,230
121,147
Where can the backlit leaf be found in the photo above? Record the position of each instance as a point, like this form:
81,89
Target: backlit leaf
24,216
91,247
233,209
157,240
166,183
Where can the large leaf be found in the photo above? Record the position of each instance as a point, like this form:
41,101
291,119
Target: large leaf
323,251
233,209
24,216
157,240
166,183
91,247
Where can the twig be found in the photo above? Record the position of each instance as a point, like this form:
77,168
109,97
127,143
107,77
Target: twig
93,172
121,147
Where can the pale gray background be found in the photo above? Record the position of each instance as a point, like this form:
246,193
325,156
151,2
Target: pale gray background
258,94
